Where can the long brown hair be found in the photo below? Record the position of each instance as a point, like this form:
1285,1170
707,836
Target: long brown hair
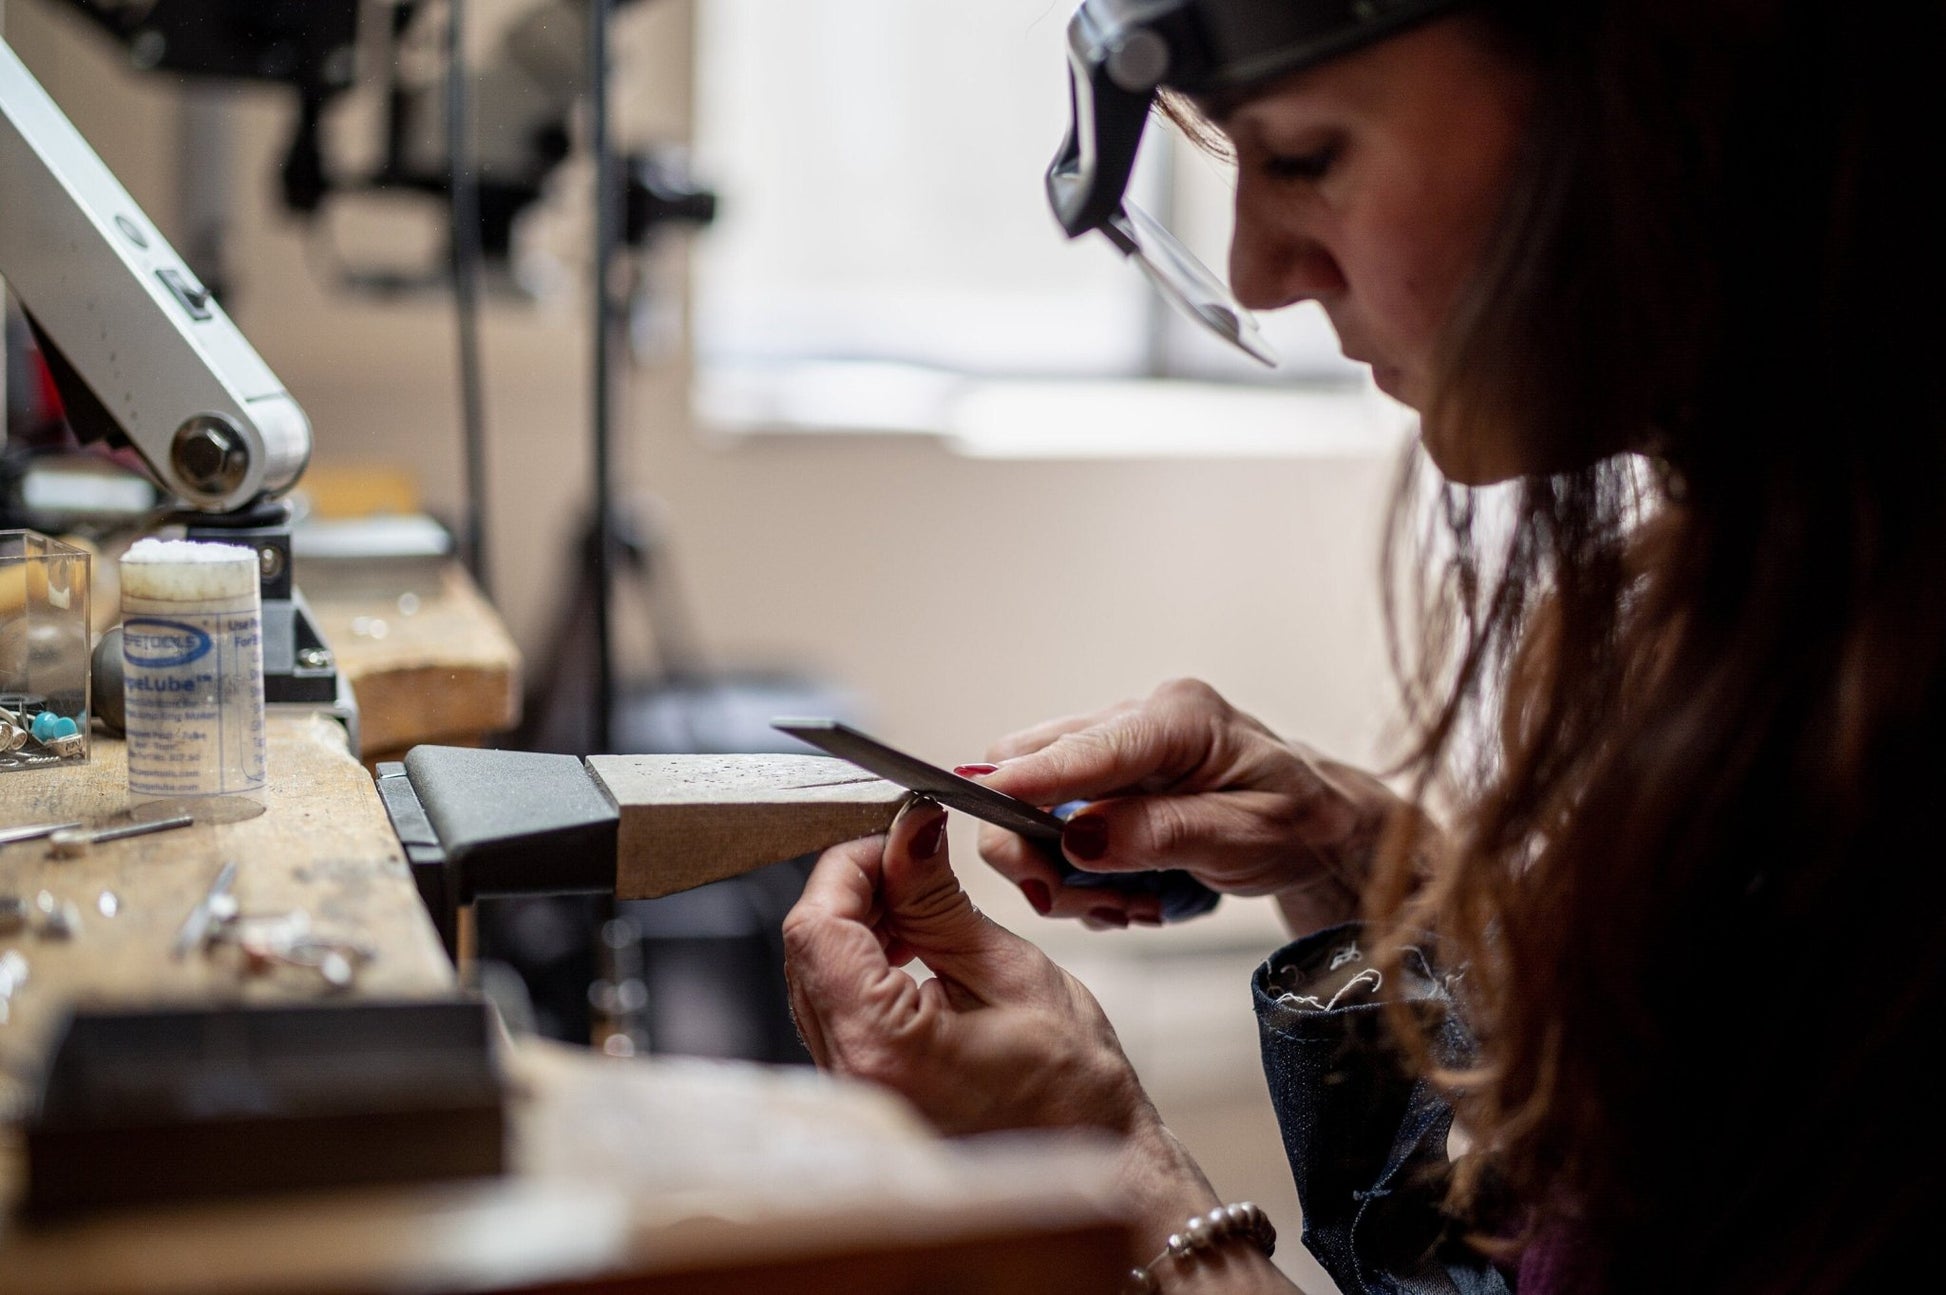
1697,883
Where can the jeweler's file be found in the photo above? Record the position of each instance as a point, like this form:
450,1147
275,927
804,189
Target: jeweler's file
1180,894
949,789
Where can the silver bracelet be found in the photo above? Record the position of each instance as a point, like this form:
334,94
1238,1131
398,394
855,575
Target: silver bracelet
1243,1220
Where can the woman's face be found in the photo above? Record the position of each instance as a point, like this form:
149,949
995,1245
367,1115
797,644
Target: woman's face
1370,184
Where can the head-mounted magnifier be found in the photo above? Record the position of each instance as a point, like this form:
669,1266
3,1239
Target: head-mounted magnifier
1122,52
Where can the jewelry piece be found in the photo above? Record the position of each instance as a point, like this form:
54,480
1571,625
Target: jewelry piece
1243,1220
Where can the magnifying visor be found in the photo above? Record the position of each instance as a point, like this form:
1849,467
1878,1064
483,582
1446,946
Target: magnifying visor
1121,53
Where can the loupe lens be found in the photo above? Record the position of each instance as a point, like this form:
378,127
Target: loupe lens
1185,282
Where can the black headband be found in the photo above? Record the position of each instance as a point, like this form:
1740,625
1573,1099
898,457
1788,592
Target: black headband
1121,52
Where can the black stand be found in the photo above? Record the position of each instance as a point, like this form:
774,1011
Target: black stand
298,666
634,198
607,226
720,944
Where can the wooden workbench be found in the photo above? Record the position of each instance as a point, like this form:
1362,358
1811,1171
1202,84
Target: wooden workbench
659,1175
427,657
322,844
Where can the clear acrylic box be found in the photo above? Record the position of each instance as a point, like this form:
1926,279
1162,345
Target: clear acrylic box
44,652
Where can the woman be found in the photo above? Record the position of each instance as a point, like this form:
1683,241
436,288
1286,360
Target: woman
1682,929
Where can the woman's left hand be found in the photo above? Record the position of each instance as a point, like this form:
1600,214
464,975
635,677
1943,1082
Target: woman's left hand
999,1038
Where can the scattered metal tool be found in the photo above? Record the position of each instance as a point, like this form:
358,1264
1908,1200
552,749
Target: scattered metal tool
271,940
72,842
217,905
48,916
336,962
60,919
34,831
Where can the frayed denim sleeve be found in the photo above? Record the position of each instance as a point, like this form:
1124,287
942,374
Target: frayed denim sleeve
1366,1139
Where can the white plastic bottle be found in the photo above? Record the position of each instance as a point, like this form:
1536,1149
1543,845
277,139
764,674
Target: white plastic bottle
193,674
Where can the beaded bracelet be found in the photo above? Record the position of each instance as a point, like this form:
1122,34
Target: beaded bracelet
1241,1221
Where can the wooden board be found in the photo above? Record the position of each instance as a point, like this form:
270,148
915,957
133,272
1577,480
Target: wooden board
668,1175
691,819
432,663
323,844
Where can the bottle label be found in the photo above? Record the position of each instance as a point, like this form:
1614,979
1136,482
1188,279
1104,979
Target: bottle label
194,701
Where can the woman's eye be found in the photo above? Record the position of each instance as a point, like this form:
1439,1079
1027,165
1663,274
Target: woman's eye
1311,166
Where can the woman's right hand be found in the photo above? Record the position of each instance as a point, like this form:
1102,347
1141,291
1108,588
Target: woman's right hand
1182,779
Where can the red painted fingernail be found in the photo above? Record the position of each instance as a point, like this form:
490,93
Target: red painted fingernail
974,770
1114,917
929,838
1086,837
1039,896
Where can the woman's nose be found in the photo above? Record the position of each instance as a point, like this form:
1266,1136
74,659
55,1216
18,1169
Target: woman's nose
1273,264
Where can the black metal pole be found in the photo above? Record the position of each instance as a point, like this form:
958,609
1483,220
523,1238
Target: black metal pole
607,221
466,257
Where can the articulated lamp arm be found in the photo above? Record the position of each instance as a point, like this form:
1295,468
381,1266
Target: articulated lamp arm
143,352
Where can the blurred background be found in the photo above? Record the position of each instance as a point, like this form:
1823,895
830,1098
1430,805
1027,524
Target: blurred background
891,442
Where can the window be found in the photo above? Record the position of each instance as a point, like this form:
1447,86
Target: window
884,251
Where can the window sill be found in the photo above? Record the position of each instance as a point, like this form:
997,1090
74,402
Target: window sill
991,418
